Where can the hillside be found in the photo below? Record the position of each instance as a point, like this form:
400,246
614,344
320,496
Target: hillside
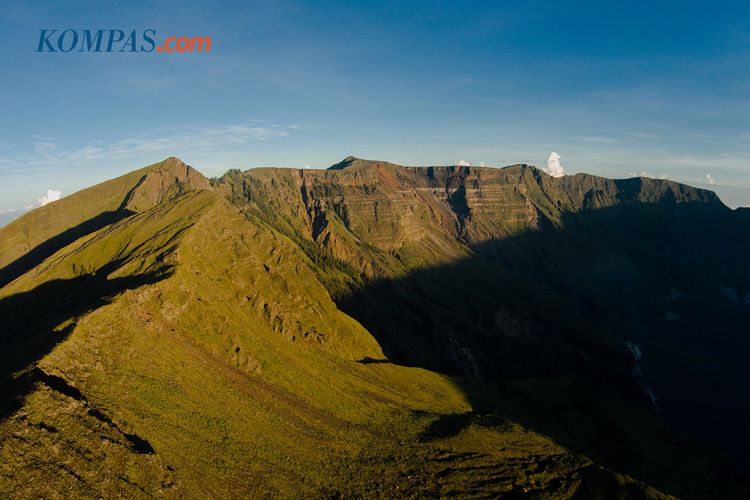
366,330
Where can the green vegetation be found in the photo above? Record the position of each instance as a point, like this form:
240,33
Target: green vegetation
196,345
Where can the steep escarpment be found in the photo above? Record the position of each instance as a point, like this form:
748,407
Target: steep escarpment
505,273
368,330
509,255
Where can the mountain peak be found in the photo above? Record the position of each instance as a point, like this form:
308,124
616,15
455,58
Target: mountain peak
164,180
352,163
172,160
345,163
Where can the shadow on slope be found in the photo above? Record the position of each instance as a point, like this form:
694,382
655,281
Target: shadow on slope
34,322
559,303
44,250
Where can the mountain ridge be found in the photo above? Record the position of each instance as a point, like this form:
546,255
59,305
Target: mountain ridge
354,162
395,331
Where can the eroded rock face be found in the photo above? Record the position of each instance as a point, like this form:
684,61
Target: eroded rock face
411,216
164,335
423,215
170,179
504,273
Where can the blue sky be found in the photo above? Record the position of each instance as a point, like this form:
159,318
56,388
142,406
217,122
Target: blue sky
616,88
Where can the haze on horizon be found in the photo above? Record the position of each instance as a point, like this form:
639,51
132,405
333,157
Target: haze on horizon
615,89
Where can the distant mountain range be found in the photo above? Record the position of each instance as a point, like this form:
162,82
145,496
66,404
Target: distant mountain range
376,330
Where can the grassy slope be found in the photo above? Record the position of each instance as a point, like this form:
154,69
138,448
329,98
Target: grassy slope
404,224
242,376
122,193
229,398
37,226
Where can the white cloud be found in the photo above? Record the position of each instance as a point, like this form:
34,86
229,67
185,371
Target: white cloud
463,163
8,214
553,166
305,126
52,195
481,164
710,179
644,173
206,139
